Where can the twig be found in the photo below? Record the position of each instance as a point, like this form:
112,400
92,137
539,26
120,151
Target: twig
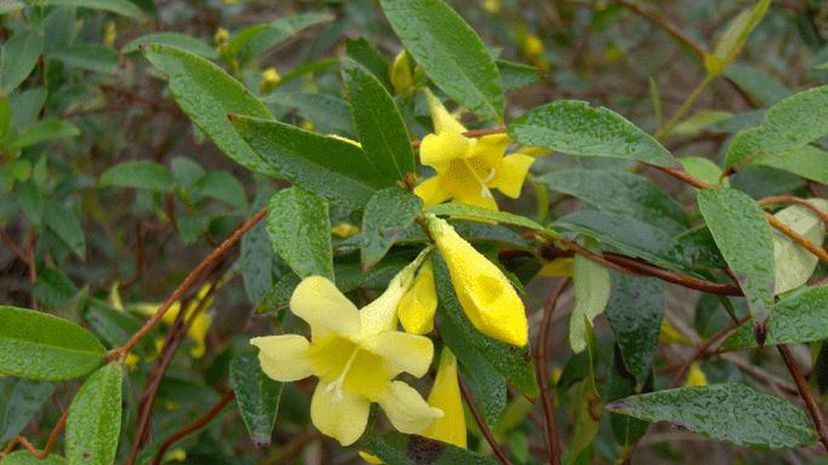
484,428
820,252
805,393
704,348
787,199
664,25
50,442
194,426
553,446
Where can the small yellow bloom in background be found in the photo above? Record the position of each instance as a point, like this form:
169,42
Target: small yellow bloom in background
486,295
230,2
356,354
222,36
532,48
491,6
270,78
695,376
445,395
110,34
558,268
670,335
418,305
307,125
401,76
467,168
345,230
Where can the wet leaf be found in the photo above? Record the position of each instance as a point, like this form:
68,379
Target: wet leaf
173,39
257,397
121,7
389,212
26,399
140,174
300,232
93,426
793,264
328,113
463,211
592,291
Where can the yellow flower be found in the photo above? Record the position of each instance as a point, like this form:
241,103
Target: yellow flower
418,305
532,46
270,77
110,34
221,36
445,395
356,354
558,268
486,295
467,168
345,230
695,376
491,6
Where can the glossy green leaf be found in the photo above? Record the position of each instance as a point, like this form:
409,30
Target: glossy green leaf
45,130
793,264
634,312
401,449
464,211
207,94
762,88
621,193
139,174
121,7
743,236
18,57
370,58
23,457
66,224
799,318
95,58
173,39
328,113
332,168
26,399
512,362
380,126
39,346
300,232
93,426
450,52
791,123
807,161
255,40
592,291
389,212
575,128
257,397
729,412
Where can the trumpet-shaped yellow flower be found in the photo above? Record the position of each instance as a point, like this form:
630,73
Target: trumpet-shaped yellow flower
467,168
486,295
445,395
356,354
418,305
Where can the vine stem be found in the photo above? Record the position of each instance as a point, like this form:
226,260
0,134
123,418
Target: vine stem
553,445
664,25
790,199
192,278
805,392
194,426
50,442
484,428
684,108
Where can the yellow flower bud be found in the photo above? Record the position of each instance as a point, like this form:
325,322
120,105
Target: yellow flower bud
491,6
270,78
401,76
221,36
344,230
695,376
110,34
418,305
486,295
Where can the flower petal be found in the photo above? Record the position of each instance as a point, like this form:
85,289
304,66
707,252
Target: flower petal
338,414
432,192
284,358
381,314
440,148
445,395
406,409
489,149
197,333
418,305
511,174
318,301
403,352
442,120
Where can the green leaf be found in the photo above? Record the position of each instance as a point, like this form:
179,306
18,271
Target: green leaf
389,212
703,169
729,412
699,121
139,174
516,75
222,185
592,291
799,318
121,7
512,362
762,88
10,6
257,258
18,57
257,397
575,128
115,327
93,426
792,123
95,58
743,236
401,449
634,312
300,231
23,457
207,94
379,125
45,130
26,399
173,39
585,425
39,346
255,40
450,52
463,211
733,39
367,55
807,161
327,112
621,193
793,264
332,168
66,224
621,383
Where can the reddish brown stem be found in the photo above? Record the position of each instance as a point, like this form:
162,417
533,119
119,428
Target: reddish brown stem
801,240
644,268
664,25
194,426
790,199
553,445
805,393
50,442
484,428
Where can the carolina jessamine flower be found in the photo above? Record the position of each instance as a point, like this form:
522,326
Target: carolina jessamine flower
445,395
418,305
467,168
486,295
270,77
221,36
695,376
356,354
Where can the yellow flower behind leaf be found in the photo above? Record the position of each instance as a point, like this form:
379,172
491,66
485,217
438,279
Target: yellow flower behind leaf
445,395
467,168
486,295
695,376
356,354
